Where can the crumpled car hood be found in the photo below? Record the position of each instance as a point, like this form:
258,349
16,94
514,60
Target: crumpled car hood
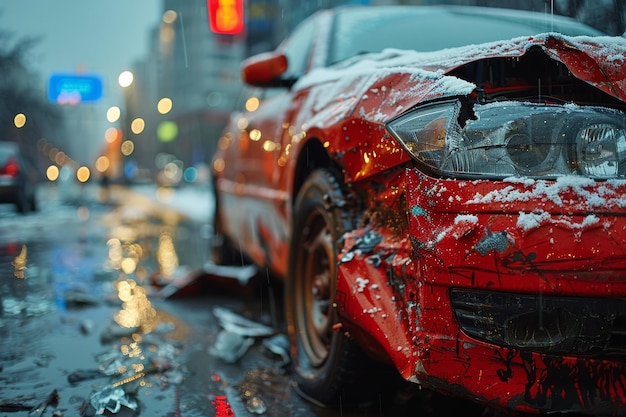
596,60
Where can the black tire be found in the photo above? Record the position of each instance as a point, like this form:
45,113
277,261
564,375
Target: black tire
325,361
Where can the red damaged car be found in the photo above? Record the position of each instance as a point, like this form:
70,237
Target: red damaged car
442,190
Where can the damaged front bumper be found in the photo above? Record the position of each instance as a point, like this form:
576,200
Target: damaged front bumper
510,292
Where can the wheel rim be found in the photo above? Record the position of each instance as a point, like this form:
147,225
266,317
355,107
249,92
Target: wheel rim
314,315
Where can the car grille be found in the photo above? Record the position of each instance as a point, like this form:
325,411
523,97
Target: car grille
550,324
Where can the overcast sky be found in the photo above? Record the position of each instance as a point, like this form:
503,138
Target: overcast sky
103,37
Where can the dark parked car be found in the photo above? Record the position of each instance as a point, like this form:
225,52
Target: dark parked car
17,179
442,189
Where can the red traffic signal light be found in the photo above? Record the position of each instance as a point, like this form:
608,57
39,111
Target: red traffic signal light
226,16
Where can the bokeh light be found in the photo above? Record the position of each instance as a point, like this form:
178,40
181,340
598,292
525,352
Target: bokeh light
137,125
103,163
112,134
169,16
52,173
60,158
113,114
255,135
167,131
128,265
172,172
219,165
125,79
83,174
52,153
19,120
252,104
242,123
164,105
128,147
191,174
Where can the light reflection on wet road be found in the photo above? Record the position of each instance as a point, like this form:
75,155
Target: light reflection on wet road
85,327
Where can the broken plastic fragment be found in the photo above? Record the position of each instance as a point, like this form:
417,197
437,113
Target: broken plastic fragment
368,242
256,405
235,323
111,399
230,347
279,345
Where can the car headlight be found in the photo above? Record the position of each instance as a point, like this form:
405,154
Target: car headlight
515,139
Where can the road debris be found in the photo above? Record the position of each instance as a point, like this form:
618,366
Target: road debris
11,405
19,263
229,346
256,405
51,400
279,345
235,323
111,399
237,335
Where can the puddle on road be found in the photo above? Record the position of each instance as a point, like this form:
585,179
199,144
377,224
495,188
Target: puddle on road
81,333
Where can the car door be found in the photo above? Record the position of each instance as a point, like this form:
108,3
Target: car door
251,178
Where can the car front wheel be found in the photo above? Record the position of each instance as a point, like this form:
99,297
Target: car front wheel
325,361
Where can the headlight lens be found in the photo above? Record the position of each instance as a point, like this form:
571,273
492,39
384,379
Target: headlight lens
515,139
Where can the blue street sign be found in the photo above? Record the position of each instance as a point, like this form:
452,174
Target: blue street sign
74,89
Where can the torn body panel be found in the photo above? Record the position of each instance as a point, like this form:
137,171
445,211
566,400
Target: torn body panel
511,292
371,287
493,262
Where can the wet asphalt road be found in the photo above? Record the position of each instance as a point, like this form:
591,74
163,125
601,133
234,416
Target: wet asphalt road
89,325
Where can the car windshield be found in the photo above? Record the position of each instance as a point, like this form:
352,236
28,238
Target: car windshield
433,28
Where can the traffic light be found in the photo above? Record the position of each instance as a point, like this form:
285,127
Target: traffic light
226,16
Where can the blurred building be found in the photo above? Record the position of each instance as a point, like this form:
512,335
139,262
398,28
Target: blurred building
197,72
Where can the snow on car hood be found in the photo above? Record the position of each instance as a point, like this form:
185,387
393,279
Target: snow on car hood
598,61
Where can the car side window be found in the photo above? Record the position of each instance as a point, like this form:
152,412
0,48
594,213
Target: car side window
297,48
